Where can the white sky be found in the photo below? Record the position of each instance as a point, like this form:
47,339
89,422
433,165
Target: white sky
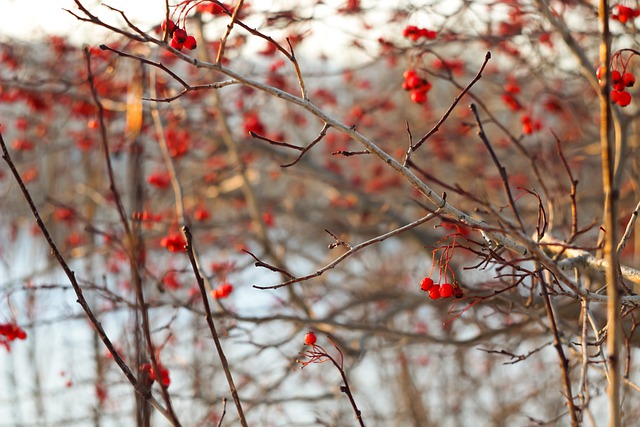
31,19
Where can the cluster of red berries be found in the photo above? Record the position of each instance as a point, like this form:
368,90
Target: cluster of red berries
415,33
529,125
310,338
165,381
222,291
174,243
619,83
625,14
179,36
417,86
10,332
445,290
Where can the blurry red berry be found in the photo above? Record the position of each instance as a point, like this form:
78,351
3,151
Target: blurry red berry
418,96
223,291
434,292
310,338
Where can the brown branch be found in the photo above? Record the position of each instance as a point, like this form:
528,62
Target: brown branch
564,362
95,20
349,153
628,230
607,154
186,86
132,239
322,134
212,327
350,252
260,263
303,150
105,145
223,39
501,169
139,388
457,99
574,186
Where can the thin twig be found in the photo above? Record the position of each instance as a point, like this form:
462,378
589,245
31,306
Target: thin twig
557,344
225,36
303,150
574,187
501,169
457,99
628,230
351,251
212,327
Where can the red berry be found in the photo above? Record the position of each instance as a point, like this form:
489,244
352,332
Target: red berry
624,99
176,45
614,96
615,77
619,86
413,81
310,338
190,43
434,292
180,35
426,284
418,96
446,290
628,79
223,291
600,72
171,26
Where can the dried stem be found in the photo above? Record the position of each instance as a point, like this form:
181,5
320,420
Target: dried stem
564,362
457,99
501,169
350,252
212,327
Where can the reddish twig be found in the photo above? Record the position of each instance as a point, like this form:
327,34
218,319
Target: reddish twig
318,354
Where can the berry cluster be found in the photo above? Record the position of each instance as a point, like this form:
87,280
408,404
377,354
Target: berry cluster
445,290
625,14
417,86
10,332
414,33
165,381
174,243
619,83
179,36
